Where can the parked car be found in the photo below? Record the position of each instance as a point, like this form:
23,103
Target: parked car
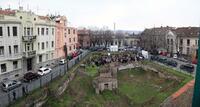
10,84
187,67
43,71
172,63
162,60
62,62
154,57
30,76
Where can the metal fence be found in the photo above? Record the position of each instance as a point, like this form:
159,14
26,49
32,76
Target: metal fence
11,96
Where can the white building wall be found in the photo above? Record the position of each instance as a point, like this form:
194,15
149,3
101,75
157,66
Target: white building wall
7,41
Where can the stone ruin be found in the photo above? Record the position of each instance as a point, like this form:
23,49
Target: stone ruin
106,80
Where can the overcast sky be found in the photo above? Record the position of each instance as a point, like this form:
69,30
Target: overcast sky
127,14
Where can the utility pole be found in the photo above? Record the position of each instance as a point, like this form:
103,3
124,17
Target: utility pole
196,94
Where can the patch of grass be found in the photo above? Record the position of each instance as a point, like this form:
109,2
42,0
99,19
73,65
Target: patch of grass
92,70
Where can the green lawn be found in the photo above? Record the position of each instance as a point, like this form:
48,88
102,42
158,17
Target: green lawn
137,88
92,70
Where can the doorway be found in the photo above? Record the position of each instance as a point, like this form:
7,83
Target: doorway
29,64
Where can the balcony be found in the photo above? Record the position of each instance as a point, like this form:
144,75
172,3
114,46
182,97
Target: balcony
28,38
29,54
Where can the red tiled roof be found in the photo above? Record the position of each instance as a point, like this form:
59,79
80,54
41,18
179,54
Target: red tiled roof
7,12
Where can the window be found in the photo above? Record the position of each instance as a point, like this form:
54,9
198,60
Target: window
28,46
28,31
38,46
74,39
69,40
188,50
34,19
181,41
24,31
70,48
1,31
20,17
10,51
43,45
3,68
52,44
8,28
65,34
14,31
74,47
47,31
52,31
196,42
47,45
188,42
15,64
38,31
171,41
42,31
46,57
40,58
15,49
74,31
1,50
167,41
68,31
52,55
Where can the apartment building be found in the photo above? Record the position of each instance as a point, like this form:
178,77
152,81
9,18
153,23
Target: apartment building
10,45
71,39
61,34
183,40
187,38
84,38
27,42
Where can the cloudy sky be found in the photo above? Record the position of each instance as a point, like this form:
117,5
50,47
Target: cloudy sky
127,14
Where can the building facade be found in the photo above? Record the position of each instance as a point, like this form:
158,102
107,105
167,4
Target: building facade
71,40
28,41
61,35
131,41
10,45
84,38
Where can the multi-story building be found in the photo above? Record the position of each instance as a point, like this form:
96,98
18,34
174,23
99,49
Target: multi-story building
61,34
71,39
28,41
10,45
154,38
183,40
84,38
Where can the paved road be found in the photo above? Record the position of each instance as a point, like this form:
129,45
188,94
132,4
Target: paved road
179,63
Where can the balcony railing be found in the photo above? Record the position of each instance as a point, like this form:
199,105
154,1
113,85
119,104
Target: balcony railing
29,54
28,38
